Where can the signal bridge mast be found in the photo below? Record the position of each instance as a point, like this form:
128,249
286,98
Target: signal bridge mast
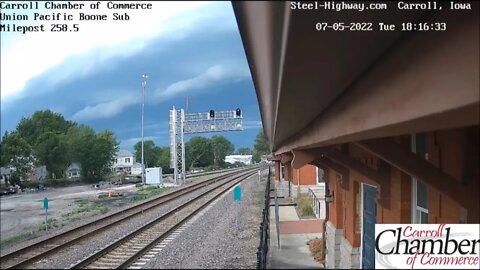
182,123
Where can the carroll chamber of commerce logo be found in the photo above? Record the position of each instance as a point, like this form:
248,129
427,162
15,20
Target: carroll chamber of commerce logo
427,246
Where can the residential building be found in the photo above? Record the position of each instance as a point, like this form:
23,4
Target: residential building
245,159
136,169
5,173
73,171
38,173
123,162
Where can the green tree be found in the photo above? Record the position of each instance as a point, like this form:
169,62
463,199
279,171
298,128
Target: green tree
52,151
40,122
151,153
261,147
81,147
198,153
106,148
221,147
94,152
164,160
17,154
244,151
44,131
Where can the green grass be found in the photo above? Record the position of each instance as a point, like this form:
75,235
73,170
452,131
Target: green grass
86,206
34,232
304,205
260,197
51,223
147,192
19,237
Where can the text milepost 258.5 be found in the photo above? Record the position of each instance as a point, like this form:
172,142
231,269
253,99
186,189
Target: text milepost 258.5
34,16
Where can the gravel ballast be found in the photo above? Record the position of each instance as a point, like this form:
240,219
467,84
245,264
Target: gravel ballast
80,250
226,236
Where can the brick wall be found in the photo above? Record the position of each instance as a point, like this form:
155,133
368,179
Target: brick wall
336,206
399,210
278,171
307,175
453,151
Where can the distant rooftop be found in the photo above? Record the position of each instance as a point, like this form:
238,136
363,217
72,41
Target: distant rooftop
124,153
246,159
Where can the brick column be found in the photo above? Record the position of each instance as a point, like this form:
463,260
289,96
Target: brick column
278,171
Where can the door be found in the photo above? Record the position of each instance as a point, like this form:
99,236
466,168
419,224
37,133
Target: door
369,218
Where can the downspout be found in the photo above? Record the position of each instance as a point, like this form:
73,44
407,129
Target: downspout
289,179
298,183
324,242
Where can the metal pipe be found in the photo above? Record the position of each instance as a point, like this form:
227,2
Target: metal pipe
144,83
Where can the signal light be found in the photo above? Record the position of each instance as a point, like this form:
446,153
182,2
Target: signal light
238,112
212,114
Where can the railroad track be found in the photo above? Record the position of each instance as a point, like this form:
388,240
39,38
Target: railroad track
126,250
30,254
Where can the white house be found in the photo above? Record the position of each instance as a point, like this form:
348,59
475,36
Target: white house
246,159
136,169
5,173
35,173
123,162
38,173
73,170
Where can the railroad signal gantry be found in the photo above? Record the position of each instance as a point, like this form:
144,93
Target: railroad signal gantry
182,123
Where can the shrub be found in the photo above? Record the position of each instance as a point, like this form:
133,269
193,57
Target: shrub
61,182
304,205
316,248
51,223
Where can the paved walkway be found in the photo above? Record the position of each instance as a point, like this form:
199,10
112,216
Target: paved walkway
313,226
293,252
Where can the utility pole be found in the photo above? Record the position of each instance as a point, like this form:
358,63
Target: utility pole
144,83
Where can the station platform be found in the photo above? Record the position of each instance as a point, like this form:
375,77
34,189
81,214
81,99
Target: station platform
293,251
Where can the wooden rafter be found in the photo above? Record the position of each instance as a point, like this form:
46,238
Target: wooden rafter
415,166
378,178
324,162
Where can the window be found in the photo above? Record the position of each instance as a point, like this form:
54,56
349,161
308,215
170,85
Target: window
282,169
319,175
127,160
419,189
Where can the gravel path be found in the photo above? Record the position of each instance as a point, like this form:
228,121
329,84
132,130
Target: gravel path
226,235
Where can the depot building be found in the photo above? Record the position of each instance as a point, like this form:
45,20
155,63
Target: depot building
390,119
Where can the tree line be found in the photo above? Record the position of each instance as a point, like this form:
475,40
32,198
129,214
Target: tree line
47,138
200,152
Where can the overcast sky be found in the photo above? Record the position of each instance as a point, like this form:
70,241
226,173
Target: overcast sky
93,76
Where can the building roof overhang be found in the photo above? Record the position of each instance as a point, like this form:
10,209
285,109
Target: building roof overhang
318,88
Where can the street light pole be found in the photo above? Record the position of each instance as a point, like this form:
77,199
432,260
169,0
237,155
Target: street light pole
144,83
